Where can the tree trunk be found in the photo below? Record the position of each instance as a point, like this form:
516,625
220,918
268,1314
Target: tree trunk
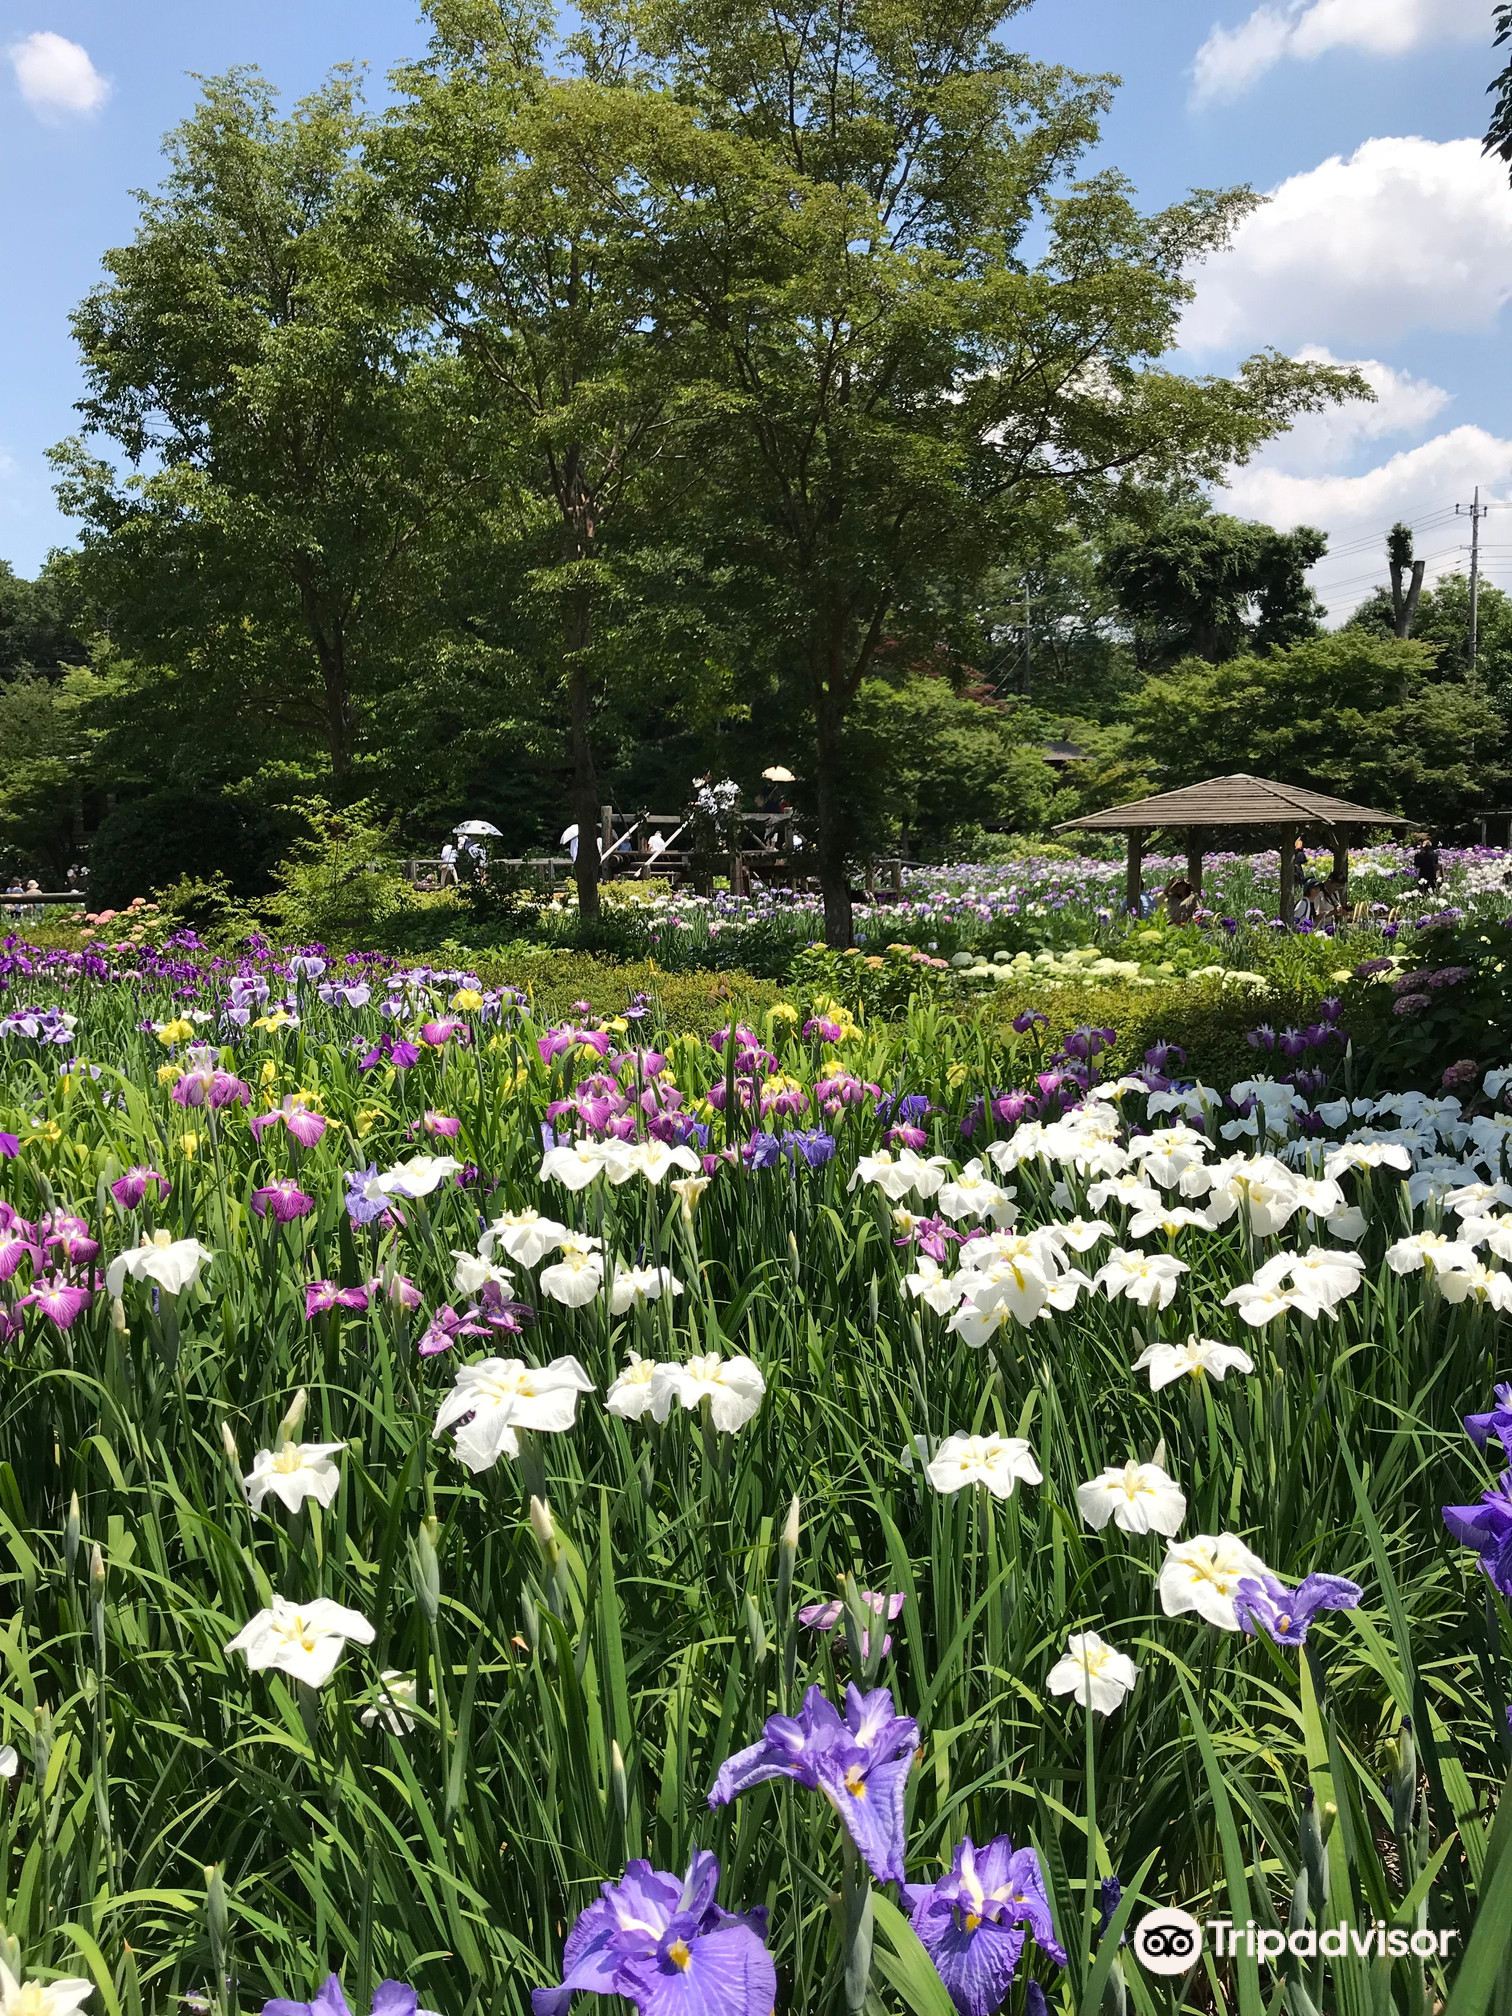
577,636
834,881
329,642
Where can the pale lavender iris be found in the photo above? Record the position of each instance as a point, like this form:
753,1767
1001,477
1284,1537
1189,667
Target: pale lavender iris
975,1922
860,1762
830,1616
304,1126
666,1946
1265,1604
390,1998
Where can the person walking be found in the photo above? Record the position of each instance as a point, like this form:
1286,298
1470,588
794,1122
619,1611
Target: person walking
448,876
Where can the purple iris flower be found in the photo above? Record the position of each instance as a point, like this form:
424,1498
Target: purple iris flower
446,1326
321,1296
130,1189
10,1146
859,1762
1266,1604
763,1151
1163,1058
1012,1107
971,1921
1029,1019
668,1947
1481,1427
390,1998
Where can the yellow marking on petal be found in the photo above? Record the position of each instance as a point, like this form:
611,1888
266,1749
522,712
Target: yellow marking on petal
680,1954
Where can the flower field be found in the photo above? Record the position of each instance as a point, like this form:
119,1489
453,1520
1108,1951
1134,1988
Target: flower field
835,1517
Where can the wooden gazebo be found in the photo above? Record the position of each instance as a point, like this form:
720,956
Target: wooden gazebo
1233,802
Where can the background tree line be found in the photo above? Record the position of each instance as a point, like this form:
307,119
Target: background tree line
701,390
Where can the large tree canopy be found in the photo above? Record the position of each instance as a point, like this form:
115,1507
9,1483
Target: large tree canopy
666,389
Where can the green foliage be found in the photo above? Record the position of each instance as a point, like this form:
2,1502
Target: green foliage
1196,581
1448,1012
340,881
1351,713
147,843
870,983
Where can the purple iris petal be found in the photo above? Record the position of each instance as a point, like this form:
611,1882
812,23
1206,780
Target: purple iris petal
860,1763
971,1922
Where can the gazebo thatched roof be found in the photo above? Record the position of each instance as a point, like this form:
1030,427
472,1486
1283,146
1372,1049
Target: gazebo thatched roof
1233,801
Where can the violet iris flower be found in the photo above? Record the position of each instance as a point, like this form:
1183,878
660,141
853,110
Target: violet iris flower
1266,1604
1481,1427
860,1763
971,1921
666,1946
130,1189
1487,1527
282,1201
10,1146
390,1998
810,1145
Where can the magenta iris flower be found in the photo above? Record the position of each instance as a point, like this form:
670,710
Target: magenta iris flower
975,1922
16,1246
282,1201
390,1998
206,1086
1266,1604
667,1947
72,1235
446,1326
304,1126
321,1296
10,1146
130,1189
860,1762
61,1302
441,1123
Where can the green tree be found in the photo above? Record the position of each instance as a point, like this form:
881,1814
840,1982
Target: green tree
530,259
1195,580
1350,712
1499,128
924,338
293,445
36,633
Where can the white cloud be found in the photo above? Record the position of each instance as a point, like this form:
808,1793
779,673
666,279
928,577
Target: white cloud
56,76
1419,486
1232,59
1321,443
1402,234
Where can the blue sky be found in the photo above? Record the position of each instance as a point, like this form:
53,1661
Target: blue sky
1388,243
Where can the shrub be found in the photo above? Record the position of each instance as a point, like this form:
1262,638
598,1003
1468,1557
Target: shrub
147,843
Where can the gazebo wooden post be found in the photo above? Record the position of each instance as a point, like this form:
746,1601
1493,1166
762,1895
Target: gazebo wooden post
1288,876
1194,859
1134,874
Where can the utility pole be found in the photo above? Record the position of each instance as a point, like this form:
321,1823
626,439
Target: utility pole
1475,511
